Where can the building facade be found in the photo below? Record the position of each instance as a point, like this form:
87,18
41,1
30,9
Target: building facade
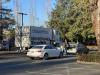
32,35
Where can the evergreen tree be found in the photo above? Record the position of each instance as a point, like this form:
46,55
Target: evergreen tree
72,18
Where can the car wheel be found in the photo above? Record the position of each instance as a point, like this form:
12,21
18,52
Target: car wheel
45,56
61,55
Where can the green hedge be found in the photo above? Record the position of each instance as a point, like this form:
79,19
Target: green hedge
91,57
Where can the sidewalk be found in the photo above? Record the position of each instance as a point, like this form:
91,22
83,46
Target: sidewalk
11,52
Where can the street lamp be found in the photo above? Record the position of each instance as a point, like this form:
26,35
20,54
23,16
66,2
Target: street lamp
22,14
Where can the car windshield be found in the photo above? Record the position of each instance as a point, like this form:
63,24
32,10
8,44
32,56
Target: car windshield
73,46
40,47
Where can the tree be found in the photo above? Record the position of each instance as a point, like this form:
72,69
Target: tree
72,19
81,21
95,16
57,20
6,22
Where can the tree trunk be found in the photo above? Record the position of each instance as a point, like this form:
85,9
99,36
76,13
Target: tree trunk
66,44
95,15
98,25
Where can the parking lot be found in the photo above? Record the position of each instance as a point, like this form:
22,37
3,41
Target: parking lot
21,65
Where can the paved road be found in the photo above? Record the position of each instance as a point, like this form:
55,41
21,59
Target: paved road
20,65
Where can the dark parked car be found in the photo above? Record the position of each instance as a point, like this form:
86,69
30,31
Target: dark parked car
82,49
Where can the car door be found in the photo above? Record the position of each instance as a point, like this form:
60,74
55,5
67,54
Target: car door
55,51
49,50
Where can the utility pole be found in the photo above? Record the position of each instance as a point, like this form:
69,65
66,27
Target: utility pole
21,29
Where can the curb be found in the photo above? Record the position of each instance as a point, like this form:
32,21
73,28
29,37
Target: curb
10,52
82,62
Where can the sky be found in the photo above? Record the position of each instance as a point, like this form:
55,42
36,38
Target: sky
41,9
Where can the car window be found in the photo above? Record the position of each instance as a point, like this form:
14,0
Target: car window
40,47
72,46
53,47
49,47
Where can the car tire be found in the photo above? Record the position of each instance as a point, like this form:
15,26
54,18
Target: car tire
45,56
61,55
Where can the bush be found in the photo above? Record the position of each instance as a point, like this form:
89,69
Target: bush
91,57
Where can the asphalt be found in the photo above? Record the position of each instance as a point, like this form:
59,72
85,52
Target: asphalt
21,65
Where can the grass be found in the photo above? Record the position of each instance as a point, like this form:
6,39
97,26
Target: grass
91,57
